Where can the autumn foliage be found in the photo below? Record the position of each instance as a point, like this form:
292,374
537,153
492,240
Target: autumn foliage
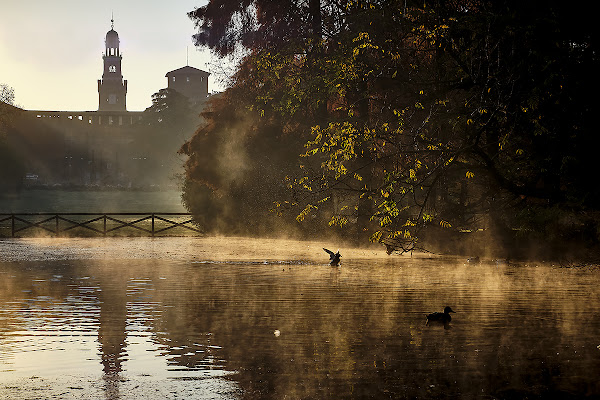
401,120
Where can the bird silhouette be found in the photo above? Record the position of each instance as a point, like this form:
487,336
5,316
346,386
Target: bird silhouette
443,317
334,258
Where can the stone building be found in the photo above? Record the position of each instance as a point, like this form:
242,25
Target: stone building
190,82
103,147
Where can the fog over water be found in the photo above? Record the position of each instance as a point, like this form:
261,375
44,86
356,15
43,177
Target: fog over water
229,318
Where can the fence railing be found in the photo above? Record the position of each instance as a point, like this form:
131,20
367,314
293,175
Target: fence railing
89,224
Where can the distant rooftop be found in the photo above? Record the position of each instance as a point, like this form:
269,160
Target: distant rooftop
187,70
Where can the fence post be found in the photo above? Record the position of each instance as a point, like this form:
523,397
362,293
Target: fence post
57,231
104,231
152,224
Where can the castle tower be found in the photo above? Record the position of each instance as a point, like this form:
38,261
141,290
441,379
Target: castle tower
190,82
112,89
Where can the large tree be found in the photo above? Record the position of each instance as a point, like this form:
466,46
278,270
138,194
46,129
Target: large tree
421,114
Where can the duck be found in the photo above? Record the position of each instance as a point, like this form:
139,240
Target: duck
444,317
334,258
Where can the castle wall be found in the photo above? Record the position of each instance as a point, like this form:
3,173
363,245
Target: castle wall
97,148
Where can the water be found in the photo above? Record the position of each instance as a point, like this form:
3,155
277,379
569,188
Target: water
230,318
95,201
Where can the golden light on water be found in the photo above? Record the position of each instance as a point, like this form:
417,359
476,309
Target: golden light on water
245,318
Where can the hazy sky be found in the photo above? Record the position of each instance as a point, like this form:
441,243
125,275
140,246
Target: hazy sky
51,51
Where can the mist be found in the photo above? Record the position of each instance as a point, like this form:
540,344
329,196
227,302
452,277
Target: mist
199,308
236,171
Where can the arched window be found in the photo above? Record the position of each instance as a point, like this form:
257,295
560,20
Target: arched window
112,68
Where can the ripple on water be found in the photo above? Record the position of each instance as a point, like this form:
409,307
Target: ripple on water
206,325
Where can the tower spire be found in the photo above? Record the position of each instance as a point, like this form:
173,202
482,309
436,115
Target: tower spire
112,20
112,88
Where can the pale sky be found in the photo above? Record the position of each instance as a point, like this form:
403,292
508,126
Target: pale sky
51,51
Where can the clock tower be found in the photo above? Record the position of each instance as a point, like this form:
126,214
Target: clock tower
112,89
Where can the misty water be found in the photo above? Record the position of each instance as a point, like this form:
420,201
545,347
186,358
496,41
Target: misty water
232,318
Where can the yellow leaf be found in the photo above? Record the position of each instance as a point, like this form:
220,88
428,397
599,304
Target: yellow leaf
469,174
445,224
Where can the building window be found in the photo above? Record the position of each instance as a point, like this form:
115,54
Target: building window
187,78
112,68
173,79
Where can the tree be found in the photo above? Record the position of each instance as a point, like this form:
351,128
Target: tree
421,115
235,169
7,94
164,127
169,108
11,166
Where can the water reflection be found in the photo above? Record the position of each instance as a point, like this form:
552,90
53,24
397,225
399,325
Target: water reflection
206,328
112,330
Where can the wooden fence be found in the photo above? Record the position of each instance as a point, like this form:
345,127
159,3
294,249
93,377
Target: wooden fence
93,224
